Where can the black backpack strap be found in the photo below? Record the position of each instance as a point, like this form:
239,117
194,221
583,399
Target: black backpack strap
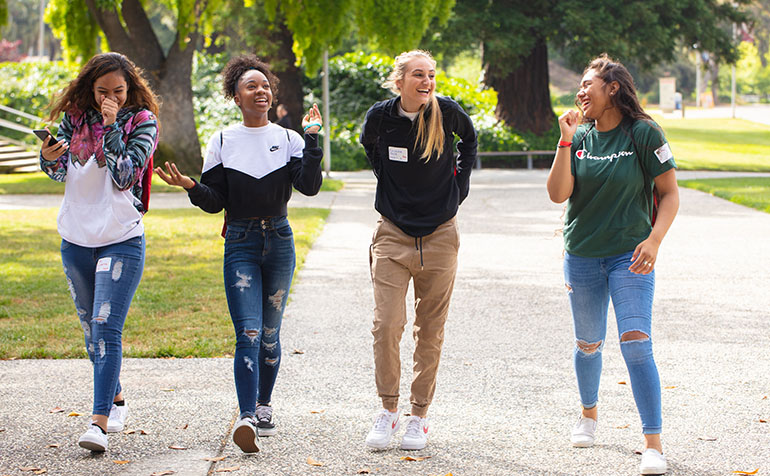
220,140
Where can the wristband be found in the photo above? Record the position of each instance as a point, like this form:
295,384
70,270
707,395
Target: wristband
564,143
311,125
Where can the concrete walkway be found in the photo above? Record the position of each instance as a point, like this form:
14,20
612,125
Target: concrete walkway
506,396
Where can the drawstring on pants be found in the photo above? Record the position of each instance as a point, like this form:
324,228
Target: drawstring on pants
419,248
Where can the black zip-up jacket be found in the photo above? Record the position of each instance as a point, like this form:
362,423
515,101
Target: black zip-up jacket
416,194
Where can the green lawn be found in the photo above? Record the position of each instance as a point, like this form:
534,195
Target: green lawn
749,191
40,183
179,310
718,144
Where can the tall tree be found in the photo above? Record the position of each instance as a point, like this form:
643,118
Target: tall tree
128,30
515,36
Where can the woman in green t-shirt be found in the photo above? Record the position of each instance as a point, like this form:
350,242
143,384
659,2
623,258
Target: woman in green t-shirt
606,167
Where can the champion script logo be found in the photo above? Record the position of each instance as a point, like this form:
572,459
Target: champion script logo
584,154
274,148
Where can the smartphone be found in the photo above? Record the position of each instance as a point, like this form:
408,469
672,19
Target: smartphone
43,134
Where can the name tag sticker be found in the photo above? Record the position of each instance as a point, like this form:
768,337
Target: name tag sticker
663,153
399,154
103,264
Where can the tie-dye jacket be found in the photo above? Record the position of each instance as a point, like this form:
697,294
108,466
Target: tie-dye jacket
123,146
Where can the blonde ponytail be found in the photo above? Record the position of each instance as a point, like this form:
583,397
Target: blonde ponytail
430,133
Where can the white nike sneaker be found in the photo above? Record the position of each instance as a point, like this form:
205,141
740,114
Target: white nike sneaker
385,425
416,436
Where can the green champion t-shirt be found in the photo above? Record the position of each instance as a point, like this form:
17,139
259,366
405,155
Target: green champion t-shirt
609,211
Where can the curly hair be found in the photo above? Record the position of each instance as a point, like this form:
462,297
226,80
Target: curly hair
79,94
236,68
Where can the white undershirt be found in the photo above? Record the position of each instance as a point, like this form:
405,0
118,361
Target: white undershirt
411,115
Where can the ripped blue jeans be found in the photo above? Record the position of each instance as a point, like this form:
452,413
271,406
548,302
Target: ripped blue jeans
591,282
102,282
259,264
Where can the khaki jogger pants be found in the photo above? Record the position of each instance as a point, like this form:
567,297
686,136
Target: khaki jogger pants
431,261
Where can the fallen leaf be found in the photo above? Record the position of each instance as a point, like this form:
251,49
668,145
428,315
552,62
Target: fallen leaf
297,351
313,462
2,430
52,445
227,470
622,382
131,432
40,471
624,426
166,389
363,471
56,410
764,398
637,452
30,468
746,472
175,447
317,411
218,458
670,386
411,458
762,421
183,427
120,461
73,414
707,438
163,473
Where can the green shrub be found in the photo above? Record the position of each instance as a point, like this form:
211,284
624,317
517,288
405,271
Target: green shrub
29,87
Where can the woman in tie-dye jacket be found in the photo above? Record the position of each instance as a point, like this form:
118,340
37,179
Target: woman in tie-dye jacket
104,155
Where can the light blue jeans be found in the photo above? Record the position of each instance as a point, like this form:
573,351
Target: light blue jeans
591,282
102,282
259,265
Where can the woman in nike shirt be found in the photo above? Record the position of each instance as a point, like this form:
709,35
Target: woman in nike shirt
249,171
606,168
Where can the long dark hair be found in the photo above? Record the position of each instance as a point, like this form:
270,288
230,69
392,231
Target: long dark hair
79,94
625,99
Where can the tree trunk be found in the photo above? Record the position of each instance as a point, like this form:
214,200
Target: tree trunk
178,135
284,66
168,76
523,97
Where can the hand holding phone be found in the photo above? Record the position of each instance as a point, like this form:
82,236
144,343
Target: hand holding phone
52,149
43,134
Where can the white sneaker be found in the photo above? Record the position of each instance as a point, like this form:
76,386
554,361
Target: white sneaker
93,439
117,418
416,436
245,435
265,424
653,462
583,432
384,426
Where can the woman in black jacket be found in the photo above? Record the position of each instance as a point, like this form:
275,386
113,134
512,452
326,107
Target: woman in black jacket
420,184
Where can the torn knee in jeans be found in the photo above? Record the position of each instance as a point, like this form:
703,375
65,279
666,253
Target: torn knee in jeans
589,347
633,336
569,288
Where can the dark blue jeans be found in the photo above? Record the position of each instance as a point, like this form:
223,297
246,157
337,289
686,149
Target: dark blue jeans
259,265
102,282
591,282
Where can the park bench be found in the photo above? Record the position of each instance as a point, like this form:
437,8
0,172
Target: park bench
528,154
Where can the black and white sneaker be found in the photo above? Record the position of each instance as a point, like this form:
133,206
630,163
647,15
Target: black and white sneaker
245,435
265,425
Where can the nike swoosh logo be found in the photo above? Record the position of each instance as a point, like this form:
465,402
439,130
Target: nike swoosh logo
390,130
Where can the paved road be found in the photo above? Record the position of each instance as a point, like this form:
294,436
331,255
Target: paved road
506,395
